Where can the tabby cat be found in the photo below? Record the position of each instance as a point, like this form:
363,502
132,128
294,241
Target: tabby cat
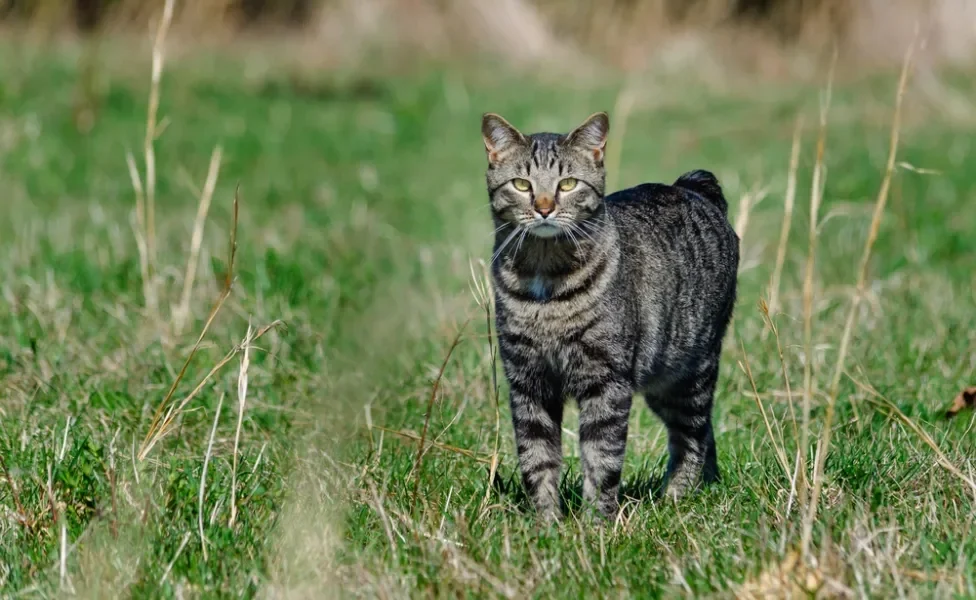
599,298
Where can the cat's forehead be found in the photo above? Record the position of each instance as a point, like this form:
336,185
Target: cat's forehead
545,142
545,148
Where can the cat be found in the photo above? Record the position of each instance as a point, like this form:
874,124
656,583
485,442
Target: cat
598,298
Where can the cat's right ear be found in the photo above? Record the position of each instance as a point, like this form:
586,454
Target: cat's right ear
592,135
500,137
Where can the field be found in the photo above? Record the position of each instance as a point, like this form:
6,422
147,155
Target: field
362,218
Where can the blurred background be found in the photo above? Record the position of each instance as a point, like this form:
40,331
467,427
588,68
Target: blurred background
625,33
349,132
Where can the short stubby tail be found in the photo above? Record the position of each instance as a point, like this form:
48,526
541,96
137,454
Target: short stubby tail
705,185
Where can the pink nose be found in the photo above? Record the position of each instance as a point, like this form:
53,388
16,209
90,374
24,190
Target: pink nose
544,205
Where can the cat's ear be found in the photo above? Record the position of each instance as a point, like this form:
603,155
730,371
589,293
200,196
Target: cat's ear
591,136
500,137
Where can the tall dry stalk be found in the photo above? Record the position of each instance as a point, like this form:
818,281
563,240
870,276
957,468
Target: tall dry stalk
148,290
784,232
823,445
816,197
158,58
196,241
160,423
784,368
241,403
777,447
622,108
747,203
482,291
145,230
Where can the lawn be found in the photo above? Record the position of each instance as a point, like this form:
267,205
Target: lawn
362,218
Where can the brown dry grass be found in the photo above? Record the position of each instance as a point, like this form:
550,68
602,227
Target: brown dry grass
774,38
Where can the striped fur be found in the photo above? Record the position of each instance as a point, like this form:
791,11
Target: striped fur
605,298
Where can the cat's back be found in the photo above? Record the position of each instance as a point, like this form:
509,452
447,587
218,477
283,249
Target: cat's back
691,210
677,238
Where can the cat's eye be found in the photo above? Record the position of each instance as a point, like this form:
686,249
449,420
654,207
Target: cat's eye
567,185
522,185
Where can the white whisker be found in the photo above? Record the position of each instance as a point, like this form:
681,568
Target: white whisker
579,250
499,228
578,228
498,252
518,245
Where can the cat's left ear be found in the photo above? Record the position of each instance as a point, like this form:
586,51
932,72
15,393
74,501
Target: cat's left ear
591,136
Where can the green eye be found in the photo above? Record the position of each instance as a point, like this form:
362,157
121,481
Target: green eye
522,185
567,184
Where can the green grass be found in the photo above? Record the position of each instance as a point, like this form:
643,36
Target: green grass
361,207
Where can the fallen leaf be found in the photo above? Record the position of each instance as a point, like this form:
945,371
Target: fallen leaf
965,399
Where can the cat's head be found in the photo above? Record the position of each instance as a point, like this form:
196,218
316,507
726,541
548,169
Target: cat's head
545,182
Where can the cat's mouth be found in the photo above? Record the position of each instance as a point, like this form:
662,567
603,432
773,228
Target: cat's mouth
544,229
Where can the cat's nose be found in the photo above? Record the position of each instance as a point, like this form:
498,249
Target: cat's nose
544,205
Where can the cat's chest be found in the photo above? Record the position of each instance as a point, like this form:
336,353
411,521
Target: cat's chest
554,332
537,287
556,355
548,321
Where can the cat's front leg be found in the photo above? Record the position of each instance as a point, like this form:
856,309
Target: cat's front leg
537,419
603,423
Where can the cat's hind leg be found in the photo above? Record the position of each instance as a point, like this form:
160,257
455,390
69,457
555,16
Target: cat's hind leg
687,413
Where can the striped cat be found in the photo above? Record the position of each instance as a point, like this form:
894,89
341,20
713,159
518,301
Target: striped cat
600,298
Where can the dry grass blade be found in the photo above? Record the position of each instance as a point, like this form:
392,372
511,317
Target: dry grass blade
824,443
430,409
63,555
748,201
943,460
378,505
169,567
778,447
203,477
485,300
621,113
158,56
196,241
241,402
232,253
158,422
167,422
784,232
148,289
799,468
765,310
816,197
440,446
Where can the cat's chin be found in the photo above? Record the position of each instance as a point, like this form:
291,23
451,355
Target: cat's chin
546,230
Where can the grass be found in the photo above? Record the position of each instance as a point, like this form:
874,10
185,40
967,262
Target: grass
361,210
